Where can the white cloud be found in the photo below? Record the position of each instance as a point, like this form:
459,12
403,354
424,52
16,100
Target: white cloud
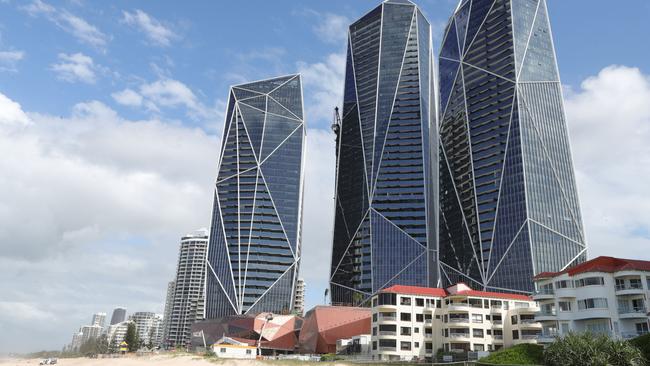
75,67
323,87
128,97
92,207
9,59
170,93
11,113
154,30
78,27
333,28
609,121
318,210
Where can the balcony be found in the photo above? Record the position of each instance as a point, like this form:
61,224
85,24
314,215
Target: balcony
387,318
498,337
547,337
385,348
544,315
544,294
459,337
630,335
459,320
387,333
428,321
629,289
428,335
458,307
628,312
527,323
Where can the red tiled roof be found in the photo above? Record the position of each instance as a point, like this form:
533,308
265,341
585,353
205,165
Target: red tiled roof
494,295
602,264
416,290
441,292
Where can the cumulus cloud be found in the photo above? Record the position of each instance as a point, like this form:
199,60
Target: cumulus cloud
128,97
10,59
92,206
323,87
77,26
333,28
75,67
609,121
155,31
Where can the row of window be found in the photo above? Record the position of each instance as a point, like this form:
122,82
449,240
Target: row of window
621,283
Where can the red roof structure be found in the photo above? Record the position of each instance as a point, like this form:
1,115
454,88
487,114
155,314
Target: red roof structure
415,290
601,264
324,325
459,289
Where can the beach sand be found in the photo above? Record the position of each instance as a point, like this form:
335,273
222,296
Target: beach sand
157,360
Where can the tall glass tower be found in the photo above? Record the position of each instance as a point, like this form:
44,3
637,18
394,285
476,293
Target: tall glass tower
384,229
508,199
254,246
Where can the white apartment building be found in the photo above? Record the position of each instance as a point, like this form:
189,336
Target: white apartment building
99,319
148,326
604,295
188,303
116,334
299,299
413,323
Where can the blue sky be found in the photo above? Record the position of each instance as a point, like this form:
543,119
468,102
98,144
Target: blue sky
111,113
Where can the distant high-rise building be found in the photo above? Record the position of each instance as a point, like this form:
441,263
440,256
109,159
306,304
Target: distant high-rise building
98,319
508,198
299,298
116,334
254,249
385,219
77,339
185,300
147,326
169,305
119,315
90,332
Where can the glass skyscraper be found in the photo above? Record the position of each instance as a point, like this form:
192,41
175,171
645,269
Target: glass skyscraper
508,199
384,229
254,246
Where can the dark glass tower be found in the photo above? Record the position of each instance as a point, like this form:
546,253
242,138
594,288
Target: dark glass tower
254,246
385,194
508,199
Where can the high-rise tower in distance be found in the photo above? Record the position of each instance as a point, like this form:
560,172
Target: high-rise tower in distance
254,246
185,301
384,229
119,315
508,198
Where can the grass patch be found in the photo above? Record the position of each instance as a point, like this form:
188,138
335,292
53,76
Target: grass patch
521,354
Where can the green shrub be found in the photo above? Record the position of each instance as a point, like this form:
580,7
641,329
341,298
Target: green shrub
330,357
594,350
522,354
643,344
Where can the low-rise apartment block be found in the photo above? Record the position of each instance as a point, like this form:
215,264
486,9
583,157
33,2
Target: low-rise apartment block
604,295
413,323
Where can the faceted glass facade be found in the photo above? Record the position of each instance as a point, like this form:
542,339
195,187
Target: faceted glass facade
254,247
385,198
508,199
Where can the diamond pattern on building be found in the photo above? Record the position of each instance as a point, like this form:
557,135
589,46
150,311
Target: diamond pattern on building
384,225
254,247
508,198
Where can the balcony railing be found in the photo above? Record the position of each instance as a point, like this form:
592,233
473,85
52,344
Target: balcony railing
629,335
545,291
529,336
388,318
497,336
459,320
387,333
528,321
550,334
631,286
545,313
459,335
632,310
497,322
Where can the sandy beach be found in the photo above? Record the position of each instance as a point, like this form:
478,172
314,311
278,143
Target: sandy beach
155,360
